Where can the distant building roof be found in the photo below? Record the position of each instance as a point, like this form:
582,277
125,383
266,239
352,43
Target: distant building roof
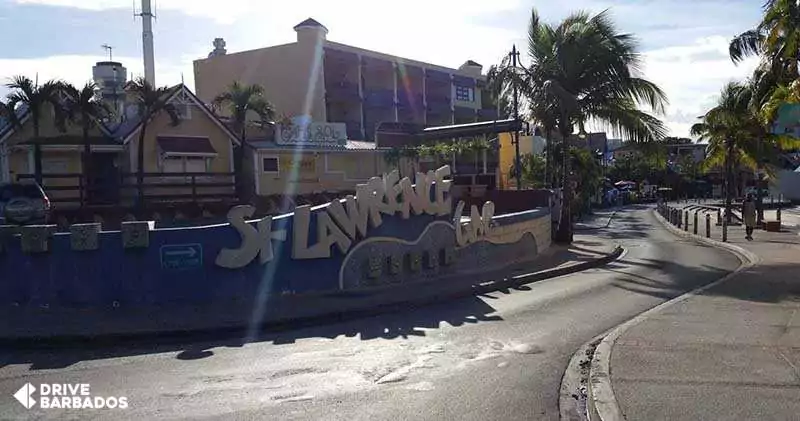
310,22
472,63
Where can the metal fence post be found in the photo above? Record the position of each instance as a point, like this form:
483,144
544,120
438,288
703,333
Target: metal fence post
708,226
686,220
695,223
779,214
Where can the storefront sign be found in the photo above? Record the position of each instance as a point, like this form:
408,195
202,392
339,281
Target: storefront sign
298,132
307,165
342,224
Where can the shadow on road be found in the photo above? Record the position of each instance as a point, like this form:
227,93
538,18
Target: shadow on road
403,324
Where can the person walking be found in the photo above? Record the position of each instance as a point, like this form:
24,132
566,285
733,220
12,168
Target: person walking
749,215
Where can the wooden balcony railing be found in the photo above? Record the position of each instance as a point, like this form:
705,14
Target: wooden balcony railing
70,190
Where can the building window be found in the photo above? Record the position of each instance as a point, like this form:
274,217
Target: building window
184,111
465,93
270,165
173,164
184,164
196,165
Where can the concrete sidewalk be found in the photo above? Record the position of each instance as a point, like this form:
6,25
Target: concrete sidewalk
731,352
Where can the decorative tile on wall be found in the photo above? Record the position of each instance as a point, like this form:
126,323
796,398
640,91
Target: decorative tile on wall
136,235
84,237
36,238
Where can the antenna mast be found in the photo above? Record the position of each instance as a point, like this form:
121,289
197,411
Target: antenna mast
109,49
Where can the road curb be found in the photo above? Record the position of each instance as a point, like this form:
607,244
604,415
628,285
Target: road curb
320,320
603,403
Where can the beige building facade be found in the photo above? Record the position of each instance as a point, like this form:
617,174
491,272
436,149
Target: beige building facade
333,82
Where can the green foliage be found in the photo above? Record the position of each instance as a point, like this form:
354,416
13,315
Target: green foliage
533,170
443,151
242,100
588,173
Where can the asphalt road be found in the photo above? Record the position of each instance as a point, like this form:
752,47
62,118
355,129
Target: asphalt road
495,357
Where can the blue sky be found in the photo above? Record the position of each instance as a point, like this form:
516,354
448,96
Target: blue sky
685,41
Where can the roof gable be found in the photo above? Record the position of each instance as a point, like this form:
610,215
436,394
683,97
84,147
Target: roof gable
178,94
7,129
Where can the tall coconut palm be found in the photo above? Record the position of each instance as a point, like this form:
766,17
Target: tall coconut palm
590,72
38,99
242,100
149,101
87,109
497,89
729,128
776,38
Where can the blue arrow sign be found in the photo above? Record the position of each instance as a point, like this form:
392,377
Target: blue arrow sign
181,256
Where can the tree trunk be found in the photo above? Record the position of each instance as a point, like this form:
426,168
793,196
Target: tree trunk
548,150
564,233
238,166
37,152
87,152
729,182
140,169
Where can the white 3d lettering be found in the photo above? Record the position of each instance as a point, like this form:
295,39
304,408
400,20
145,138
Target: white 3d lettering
256,241
479,225
341,224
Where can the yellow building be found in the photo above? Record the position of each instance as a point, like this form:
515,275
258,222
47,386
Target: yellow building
286,170
528,144
199,150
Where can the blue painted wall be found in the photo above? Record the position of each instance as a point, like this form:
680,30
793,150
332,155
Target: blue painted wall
135,278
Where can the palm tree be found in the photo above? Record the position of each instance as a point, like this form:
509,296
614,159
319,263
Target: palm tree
242,100
86,108
497,87
26,92
589,72
776,38
730,129
149,101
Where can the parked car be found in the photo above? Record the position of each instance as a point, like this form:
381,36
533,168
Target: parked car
23,204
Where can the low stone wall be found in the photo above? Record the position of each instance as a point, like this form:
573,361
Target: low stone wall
89,282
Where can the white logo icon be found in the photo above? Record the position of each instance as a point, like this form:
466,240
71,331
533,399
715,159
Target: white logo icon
24,397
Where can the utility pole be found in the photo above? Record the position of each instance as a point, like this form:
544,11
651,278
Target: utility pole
147,41
518,161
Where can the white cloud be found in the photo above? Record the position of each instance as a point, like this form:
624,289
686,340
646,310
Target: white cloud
437,31
692,75
355,10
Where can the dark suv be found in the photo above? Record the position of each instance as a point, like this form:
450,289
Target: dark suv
23,204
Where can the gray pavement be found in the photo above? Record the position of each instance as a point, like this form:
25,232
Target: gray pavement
498,356
729,353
